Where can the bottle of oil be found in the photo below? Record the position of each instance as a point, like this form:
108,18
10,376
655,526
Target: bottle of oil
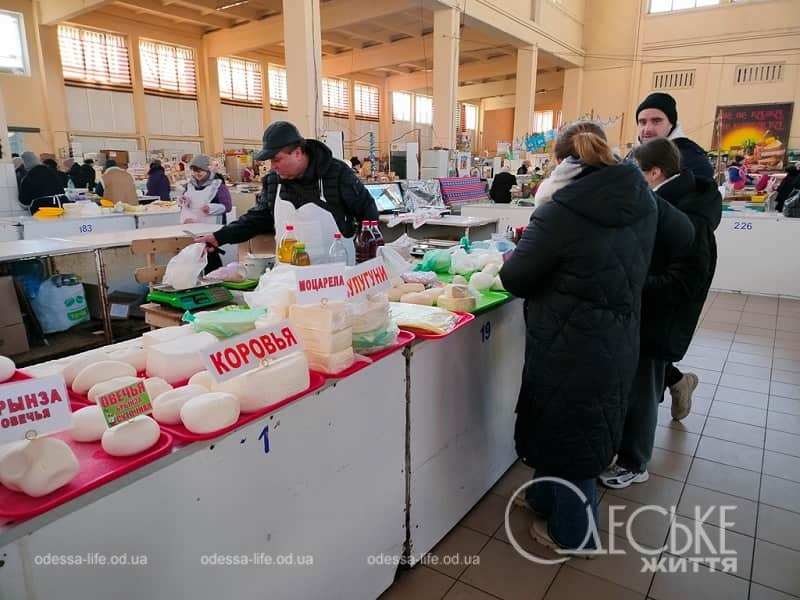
300,257
286,246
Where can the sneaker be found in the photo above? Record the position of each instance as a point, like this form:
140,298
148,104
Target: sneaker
681,394
522,502
539,533
618,478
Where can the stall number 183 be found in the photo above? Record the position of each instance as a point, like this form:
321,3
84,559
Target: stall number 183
747,225
86,228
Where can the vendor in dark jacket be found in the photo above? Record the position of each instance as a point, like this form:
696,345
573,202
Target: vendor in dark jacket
581,266
157,181
299,165
789,184
673,297
89,174
502,183
40,184
63,178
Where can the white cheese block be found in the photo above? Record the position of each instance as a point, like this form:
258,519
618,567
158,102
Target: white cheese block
88,424
410,288
210,412
167,406
204,379
498,285
37,467
326,341
492,269
7,368
456,291
165,334
395,294
457,304
265,386
179,359
373,317
331,317
417,298
434,292
131,437
136,356
104,387
156,386
459,280
331,363
98,372
482,281
77,364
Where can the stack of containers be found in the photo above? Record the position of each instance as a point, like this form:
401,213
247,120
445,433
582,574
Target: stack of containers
326,333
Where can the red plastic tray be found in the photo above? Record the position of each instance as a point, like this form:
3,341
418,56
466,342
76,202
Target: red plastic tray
463,319
97,468
404,338
181,434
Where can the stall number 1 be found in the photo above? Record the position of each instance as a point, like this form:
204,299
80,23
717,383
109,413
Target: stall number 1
86,228
743,225
486,331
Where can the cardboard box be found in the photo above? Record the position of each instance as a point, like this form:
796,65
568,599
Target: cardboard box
10,315
13,340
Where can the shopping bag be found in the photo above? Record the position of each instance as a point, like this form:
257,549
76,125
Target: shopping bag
60,303
183,269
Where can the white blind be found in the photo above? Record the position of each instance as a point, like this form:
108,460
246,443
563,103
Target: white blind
542,121
335,97
424,110
401,106
470,117
278,96
240,80
92,58
168,68
12,43
366,101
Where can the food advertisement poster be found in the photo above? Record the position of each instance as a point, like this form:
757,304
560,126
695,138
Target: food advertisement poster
760,132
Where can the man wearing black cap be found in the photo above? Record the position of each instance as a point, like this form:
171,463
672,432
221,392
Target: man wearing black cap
299,168
657,116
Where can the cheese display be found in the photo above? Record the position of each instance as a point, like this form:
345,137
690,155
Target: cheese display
333,316
105,387
369,315
167,406
324,325
204,379
98,372
268,385
417,298
136,356
324,341
457,298
77,364
425,318
7,368
399,291
131,437
179,359
88,424
156,386
331,363
37,467
482,281
459,280
492,269
165,334
210,412
497,285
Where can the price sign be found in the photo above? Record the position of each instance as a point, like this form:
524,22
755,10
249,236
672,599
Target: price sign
125,403
369,277
326,282
33,407
237,355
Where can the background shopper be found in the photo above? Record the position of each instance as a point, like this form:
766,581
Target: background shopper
581,266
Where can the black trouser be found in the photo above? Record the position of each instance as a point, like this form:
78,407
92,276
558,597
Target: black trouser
672,376
641,419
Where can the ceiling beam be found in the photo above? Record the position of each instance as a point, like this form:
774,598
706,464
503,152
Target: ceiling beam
468,72
337,39
485,90
210,7
53,11
184,14
268,32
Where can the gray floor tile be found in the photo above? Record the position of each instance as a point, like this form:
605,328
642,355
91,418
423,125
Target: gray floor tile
776,567
742,382
750,359
709,585
778,526
743,397
730,453
675,440
782,465
732,431
787,390
739,413
780,493
724,478
784,405
779,441
783,422
747,370
786,365
696,502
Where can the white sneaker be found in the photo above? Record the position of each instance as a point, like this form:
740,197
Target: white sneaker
539,533
618,478
681,394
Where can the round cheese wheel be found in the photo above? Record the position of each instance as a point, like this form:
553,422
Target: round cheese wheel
99,372
210,412
459,280
156,386
481,281
104,387
167,406
492,269
37,467
131,437
88,424
7,368
77,364
203,379
133,355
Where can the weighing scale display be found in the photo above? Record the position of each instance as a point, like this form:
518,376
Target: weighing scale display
191,298
388,196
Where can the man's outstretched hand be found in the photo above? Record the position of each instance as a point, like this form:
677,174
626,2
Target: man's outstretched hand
209,240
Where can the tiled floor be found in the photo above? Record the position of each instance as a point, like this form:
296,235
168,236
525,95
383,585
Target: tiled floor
740,447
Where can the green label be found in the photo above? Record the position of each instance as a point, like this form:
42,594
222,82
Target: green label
79,299
69,302
125,403
78,315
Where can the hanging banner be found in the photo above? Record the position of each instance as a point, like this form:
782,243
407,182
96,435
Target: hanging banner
759,132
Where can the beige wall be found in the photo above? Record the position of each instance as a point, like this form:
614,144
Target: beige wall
712,41
498,126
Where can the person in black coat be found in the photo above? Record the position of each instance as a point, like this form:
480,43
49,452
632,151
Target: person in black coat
581,265
77,176
89,174
63,178
502,183
40,184
299,165
789,184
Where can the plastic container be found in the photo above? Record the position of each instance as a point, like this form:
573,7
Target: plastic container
300,257
337,252
377,241
364,243
286,246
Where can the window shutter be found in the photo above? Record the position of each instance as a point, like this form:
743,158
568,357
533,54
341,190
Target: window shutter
335,97
94,58
240,80
168,69
278,95
366,102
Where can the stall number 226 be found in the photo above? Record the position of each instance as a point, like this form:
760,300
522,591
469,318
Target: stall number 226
746,225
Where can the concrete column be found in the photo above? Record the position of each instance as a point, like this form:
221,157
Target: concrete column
212,130
53,87
9,206
445,76
302,43
385,130
527,60
265,92
572,94
350,134
139,106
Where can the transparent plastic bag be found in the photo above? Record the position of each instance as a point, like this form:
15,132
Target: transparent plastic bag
370,342
183,269
437,261
426,318
225,322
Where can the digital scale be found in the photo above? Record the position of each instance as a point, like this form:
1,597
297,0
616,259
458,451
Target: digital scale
422,246
192,298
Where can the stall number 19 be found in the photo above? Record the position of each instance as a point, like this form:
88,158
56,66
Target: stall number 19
486,331
747,225
86,228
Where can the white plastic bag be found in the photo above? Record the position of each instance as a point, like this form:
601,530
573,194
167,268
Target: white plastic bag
402,245
275,290
394,262
183,269
60,303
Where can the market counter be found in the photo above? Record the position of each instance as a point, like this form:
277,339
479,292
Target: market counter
448,227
